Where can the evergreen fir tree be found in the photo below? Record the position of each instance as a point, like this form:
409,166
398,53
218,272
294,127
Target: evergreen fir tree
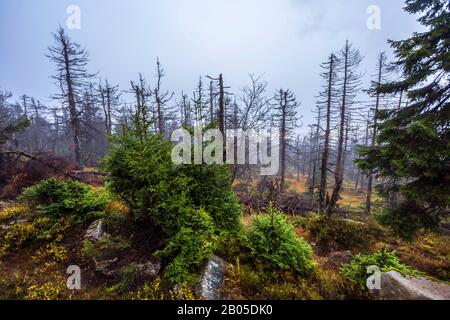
412,153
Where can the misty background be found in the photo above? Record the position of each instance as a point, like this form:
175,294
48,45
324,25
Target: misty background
286,40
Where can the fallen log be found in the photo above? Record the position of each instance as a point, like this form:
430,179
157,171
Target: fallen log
74,174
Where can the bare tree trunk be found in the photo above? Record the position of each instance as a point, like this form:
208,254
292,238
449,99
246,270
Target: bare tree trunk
297,147
338,178
304,156
374,135
316,152
350,86
326,145
357,180
344,156
221,105
283,105
74,121
158,99
108,108
211,101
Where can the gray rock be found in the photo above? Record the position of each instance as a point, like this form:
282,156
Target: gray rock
149,270
20,221
212,278
395,286
14,222
96,230
106,267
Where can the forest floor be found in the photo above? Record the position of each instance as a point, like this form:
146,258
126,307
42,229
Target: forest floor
37,270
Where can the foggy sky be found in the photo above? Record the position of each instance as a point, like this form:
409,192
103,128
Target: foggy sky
286,40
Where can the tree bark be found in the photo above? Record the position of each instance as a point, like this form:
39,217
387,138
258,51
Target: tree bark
326,145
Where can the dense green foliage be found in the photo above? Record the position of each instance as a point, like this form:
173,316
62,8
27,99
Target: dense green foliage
142,174
272,240
412,154
55,197
356,271
407,220
209,187
191,204
195,240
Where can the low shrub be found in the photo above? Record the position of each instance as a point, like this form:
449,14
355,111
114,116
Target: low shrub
49,229
346,233
130,275
105,247
11,212
408,220
258,283
40,229
429,253
52,252
182,291
250,280
190,246
150,291
356,271
18,234
154,291
210,187
272,240
55,289
11,287
88,249
55,197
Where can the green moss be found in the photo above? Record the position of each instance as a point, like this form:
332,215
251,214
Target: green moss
349,234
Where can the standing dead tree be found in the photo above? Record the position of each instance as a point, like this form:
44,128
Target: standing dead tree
109,97
328,97
250,112
223,99
222,95
199,101
285,112
141,116
185,109
350,84
72,77
374,91
212,101
161,99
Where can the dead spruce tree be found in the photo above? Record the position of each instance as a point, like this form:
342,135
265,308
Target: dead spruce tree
223,96
185,110
199,101
327,101
381,77
161,98
109,97
142,114
286,114
212,101
250,112
72,77
349,81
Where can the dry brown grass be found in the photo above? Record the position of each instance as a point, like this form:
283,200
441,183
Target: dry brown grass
429,253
